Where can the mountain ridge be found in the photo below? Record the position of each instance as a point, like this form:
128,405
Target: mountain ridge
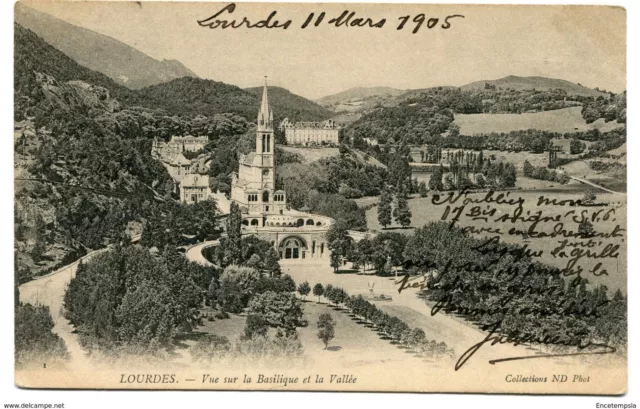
535,82
122,63
185,96
356,101
510,81
358,93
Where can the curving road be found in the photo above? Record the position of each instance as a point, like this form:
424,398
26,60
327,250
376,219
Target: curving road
588,182
194,253
49,291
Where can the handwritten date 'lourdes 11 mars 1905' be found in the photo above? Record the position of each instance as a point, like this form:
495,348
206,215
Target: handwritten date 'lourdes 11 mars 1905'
345,19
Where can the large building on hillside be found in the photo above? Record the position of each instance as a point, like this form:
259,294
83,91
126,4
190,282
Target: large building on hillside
294,234
188,143
310,133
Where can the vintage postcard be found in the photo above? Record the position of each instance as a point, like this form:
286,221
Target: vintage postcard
320,197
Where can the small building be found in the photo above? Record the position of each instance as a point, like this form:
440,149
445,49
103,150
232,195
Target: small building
310,133
181,165
194,189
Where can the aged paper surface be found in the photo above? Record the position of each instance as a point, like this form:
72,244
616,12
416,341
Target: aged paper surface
338,197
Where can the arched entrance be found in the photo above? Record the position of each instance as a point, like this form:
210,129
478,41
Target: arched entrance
292,247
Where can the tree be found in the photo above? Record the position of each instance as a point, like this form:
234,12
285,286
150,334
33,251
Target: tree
34,340
271,264
318,290
363,252
254,261
288,284
509,175
454,130
339,241
237,286
387,249
335,260
480,161
416,338
304,289
212,292
449,182
255,325
384,208
435,181
326,328
197,219
144,317
527,169
589,197
38,250
233,249
399,168
576,146
127,297
422,189
278,310
480,180
401,213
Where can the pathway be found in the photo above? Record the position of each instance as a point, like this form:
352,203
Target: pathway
588,182
49,291
457,333
194,253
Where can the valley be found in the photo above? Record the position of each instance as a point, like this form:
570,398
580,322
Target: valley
171,221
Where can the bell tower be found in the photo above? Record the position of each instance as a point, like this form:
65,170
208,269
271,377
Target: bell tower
265,147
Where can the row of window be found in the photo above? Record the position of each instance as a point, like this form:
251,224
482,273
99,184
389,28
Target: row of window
265,197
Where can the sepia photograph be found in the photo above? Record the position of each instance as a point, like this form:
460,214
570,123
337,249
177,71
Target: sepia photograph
320,197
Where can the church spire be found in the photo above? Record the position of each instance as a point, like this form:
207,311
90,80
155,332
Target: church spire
265,116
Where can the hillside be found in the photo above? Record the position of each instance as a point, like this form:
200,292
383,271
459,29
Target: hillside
538,83
193,96
78,185
84,174
359,100
295,106
32,54
559,120
358,93
185,96
120,62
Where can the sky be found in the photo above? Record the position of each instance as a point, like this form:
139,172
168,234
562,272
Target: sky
582,44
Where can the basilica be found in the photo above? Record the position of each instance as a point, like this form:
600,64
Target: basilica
265,213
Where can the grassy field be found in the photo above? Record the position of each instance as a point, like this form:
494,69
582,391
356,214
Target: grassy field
423,212
312,154
370,160
354,342
560,120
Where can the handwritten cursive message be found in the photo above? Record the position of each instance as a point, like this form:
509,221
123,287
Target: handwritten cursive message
582,232
518,264
225,19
